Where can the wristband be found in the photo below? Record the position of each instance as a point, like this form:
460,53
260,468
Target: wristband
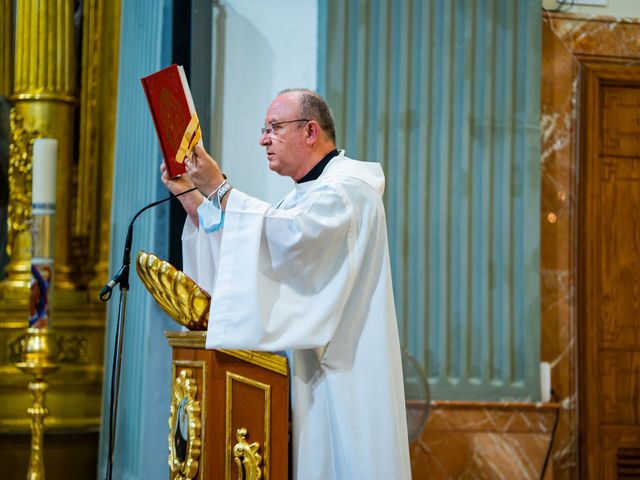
215,190
222,191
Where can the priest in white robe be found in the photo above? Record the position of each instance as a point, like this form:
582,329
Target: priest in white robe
309,276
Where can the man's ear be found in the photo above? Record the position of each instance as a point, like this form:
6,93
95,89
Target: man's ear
312,132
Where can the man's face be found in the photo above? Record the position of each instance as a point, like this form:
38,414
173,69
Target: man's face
285,142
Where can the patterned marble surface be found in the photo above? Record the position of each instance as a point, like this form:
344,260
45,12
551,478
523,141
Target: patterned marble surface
478,442
511,442
568,42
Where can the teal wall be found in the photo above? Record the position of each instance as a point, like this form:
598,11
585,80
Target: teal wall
141,441
446,94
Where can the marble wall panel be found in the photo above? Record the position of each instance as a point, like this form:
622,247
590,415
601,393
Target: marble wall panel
511,442
480,442
567,42
559,197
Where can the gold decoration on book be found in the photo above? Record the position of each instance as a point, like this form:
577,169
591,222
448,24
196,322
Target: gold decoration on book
176,293
247,457
184,427
191,137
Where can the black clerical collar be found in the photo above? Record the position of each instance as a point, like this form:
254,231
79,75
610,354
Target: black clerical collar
316,171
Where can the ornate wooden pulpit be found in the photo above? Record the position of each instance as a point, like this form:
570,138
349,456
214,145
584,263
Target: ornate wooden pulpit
229,412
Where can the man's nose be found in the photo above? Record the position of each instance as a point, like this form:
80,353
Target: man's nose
264,139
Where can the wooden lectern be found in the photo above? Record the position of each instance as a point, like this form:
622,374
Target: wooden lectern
229,412
234,405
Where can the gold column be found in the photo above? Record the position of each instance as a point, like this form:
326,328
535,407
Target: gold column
44,96
6,50
88,168
96,138
101,233
6,76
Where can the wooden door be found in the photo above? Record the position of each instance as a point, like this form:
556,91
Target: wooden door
609,273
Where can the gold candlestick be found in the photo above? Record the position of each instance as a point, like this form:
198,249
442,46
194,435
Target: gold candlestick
39,360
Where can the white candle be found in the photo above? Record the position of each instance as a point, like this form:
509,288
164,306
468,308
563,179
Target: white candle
45,156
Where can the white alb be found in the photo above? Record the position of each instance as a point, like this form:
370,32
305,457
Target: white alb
311,277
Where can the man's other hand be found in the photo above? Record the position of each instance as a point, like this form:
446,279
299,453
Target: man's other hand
204,171
175,185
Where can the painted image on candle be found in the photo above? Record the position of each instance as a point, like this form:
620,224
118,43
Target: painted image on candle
39,299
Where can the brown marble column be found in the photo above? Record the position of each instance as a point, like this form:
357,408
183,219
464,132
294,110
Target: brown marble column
568,42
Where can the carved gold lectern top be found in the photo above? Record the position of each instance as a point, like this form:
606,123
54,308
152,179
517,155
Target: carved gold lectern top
229,408
175,292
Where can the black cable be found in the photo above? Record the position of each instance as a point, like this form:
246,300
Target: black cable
122,278
112,394
553,436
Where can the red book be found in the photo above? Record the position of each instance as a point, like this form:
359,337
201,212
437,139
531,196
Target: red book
174,115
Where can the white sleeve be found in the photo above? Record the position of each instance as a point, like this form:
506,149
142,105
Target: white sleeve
284,275
200,255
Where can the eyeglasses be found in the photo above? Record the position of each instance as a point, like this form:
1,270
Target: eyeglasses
272,129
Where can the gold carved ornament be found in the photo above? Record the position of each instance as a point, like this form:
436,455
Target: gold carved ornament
19,208
246,457
185,443
174,291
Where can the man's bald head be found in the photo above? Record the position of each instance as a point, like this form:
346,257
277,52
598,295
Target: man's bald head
314,107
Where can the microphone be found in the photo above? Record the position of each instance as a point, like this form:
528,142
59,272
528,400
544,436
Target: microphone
105,293
122,277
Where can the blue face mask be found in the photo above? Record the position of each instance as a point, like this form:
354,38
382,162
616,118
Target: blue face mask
211,218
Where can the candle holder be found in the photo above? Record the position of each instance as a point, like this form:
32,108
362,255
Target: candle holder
39,359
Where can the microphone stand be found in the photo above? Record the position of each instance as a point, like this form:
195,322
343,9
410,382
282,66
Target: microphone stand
122,279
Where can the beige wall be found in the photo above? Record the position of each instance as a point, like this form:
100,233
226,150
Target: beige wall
614,8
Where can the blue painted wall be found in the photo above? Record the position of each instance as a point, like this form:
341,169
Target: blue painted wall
141,440
257,48
445,94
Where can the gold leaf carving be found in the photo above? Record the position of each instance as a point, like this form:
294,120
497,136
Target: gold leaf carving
185,443
19,210
176,293
247,457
